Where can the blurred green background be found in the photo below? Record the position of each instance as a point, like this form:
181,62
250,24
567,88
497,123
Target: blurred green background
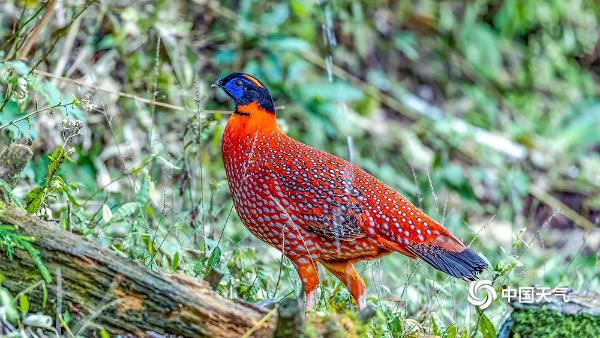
486,114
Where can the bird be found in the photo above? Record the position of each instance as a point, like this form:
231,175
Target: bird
315,207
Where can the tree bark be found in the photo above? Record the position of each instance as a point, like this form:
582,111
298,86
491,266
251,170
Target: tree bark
98,286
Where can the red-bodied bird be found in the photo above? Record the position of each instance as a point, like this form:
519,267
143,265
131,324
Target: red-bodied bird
316,207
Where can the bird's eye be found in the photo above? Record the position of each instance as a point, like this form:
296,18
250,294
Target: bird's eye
238,83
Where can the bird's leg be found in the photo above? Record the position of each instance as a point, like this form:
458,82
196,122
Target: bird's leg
310,279
347,274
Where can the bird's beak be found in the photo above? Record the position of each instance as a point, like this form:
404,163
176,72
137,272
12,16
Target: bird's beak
217,83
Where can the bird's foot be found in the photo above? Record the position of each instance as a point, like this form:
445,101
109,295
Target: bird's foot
310,301
362,302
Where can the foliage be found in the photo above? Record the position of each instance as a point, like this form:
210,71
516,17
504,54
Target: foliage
38,196
548,323
10,240
425,95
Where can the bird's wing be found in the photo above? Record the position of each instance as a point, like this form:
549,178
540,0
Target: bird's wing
319,198
329,215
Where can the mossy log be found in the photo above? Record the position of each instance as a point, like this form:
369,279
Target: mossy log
577,315
98,286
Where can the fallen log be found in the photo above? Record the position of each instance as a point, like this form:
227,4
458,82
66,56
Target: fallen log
97,286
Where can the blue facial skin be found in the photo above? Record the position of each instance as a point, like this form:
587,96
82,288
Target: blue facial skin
235,88
243,91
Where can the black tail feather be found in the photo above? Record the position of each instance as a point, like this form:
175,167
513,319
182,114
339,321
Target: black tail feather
465,264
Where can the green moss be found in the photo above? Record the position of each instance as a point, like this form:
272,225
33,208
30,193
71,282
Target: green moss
549,323
10,240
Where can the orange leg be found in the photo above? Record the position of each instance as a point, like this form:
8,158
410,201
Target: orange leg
307,270
347,274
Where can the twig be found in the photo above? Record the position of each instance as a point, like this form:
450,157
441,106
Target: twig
260,323
29,289
13,122
17,31
67,47
24,50
131,96
95,314
127,95
59,293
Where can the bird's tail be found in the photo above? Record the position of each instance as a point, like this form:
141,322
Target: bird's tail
464,264
448,254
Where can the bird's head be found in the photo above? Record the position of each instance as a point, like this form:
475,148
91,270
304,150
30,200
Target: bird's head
246,90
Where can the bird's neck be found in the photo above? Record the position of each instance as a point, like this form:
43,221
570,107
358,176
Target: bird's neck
250,119
248,124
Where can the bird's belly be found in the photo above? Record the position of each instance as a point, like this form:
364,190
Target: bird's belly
259,211
272,225
358,249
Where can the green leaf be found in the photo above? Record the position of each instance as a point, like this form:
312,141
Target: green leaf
175,262
8,305
168,163
333,92
124,211
12,198
54,97
71,197
150,212
106,213
104,333
406,42
143,194
23,305
149,242
451,331
56,159
10,111
278,16
480,46
580,130
213,260
485,325
33,200
289,45
20,67
67,317
435,329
